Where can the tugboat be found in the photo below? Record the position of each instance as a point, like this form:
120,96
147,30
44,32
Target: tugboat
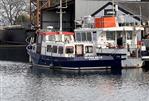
94,45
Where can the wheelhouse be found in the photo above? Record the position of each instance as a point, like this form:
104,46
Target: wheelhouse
109,37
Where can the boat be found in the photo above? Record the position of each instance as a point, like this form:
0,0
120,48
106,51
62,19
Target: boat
112,39
96,44
145,52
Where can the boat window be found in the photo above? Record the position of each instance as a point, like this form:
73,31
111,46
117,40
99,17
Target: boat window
58,38
120,33
67,38
110,35
54,50
60,50
51,38
94,36
89,36
49,48
69,50
78,36
89,49
129,35
83,36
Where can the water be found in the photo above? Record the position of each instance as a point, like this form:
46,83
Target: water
20,83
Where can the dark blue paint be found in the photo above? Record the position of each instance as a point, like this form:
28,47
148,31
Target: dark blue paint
77,62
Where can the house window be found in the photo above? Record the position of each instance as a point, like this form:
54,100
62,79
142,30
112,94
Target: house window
69,50
54,49
60,50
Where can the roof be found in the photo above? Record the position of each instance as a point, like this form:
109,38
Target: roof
120,7
137,8
134,8
56,33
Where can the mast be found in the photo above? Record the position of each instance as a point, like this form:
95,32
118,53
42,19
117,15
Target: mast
61,17
61,14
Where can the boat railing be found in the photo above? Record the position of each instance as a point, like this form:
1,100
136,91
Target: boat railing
103,22
92,25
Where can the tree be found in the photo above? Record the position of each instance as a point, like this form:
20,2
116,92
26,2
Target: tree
11,9
22,19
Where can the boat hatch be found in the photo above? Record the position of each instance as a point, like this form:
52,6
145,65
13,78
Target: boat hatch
79,50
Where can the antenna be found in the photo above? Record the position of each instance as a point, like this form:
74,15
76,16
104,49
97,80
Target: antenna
113,7
140,14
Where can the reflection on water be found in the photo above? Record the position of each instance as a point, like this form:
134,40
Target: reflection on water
20,83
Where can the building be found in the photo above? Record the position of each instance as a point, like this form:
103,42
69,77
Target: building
128,11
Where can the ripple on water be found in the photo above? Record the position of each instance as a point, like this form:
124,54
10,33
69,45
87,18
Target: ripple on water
20,83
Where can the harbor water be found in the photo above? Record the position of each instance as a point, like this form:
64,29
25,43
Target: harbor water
20,82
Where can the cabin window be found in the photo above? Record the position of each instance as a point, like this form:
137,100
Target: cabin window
89,36
69,50
120,33
49,48
51,38
54,49
94,36
83,36
129,35
110,35
89,49
78,36
67,38
58,38
60,50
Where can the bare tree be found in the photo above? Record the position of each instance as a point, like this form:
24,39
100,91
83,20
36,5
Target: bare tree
11,9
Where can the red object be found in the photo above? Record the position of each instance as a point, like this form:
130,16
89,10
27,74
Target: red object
105,22
140,42
56,33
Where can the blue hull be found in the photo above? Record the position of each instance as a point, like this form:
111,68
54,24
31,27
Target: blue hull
77,62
